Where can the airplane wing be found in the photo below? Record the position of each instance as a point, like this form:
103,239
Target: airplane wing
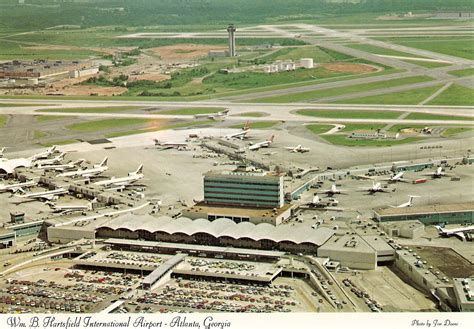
460,235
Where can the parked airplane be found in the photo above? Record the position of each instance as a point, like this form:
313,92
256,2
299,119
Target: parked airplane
376,187
316,202
69,208
17,187
409,203
170,145
44,155
94,171
438,173
51,161
334,190
213,116
398,177
458,232
298,148
241,134
131,178
47,195
62,167
265,143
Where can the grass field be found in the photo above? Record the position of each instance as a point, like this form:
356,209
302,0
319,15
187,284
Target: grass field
319,129
105,124
192,111
454,95
318,54
462,73
344,141
428,116
349,127
37,134
13,50
246,80
380,51
309,95
59,142
219,93
18,105
46,118
187,124
430,65
454,46
397,128
411,97
3,120
258,125
93,109
350,114
449,132
252,114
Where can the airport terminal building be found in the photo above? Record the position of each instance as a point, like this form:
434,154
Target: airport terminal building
243,188
221,232
242,195
459,213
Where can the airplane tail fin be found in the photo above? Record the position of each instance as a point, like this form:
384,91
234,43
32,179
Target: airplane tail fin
52,149
271,138
139,170
104,162
50,204
439,228
78,162
246,126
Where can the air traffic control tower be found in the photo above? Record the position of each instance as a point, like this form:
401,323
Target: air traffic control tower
231,30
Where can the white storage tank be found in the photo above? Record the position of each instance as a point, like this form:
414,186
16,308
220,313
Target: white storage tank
307,63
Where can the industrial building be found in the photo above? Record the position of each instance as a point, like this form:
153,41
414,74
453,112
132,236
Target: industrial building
458,213
369,134
29,72
464,294
357,252
242,188
220,232
410,229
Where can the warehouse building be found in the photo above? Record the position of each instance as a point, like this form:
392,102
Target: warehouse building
459,213
221,232
244,188
410,229
463,289
358,252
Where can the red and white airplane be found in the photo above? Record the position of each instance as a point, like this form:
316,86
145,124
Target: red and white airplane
240,134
